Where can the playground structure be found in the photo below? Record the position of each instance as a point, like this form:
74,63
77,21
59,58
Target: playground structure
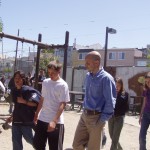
40,46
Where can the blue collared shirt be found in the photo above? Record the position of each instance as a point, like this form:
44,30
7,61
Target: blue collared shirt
100,94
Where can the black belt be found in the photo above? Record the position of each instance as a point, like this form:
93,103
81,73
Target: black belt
91,112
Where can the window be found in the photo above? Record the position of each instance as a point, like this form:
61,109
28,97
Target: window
62,53
57,53
141,63
112,56
121,55
82,56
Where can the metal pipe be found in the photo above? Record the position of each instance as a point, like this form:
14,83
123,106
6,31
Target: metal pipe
15,64
37,62
72,79
42,45
65,55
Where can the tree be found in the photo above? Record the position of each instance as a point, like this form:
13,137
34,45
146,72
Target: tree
7,70
148,57
1,23
46,57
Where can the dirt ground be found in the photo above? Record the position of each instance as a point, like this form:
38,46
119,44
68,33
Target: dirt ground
128,139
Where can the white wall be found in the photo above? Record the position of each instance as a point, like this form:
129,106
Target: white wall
124,72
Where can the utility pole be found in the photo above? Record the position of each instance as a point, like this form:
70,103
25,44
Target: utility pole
15,65
111,31
2,57
106,44
28,60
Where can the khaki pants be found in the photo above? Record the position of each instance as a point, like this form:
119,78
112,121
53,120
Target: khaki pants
88,133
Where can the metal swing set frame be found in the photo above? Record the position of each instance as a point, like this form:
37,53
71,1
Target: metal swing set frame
40,46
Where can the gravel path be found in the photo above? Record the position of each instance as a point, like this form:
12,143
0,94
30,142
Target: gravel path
128,139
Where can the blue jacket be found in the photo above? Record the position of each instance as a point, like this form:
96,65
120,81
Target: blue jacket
24,114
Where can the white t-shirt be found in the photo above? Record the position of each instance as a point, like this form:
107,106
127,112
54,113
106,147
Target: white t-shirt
54,92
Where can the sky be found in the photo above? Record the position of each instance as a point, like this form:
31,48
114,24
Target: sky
86,21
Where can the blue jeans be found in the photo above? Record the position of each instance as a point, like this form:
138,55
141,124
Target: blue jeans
18,132
145,122
115,125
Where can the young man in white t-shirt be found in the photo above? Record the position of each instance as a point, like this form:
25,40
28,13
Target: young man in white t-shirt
49,115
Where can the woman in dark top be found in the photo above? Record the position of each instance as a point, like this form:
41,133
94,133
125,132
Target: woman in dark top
115,124
25,100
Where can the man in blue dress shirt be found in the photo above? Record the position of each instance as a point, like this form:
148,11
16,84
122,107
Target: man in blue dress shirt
98,106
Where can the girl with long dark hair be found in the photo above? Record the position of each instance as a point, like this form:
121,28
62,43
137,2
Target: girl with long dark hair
115,123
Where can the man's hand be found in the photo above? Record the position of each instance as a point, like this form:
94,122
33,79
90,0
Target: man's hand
51,126
9,120
140,120
35,118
